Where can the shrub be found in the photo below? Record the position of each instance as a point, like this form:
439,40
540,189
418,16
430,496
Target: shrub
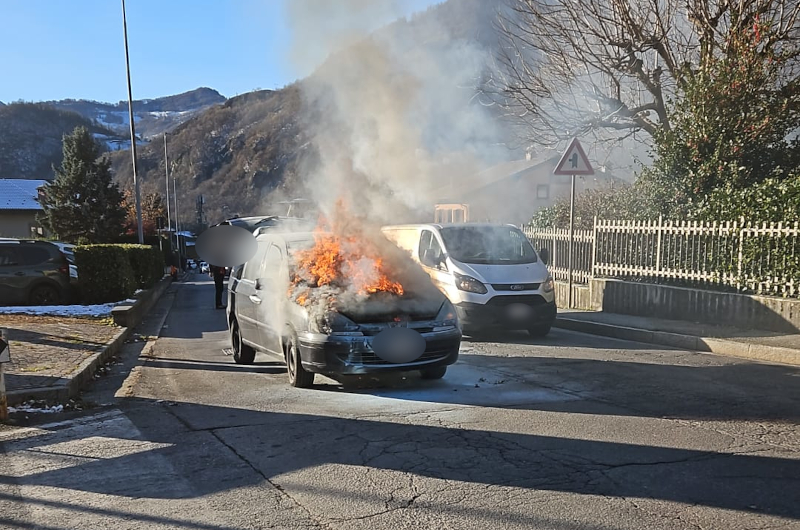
147,263
104,273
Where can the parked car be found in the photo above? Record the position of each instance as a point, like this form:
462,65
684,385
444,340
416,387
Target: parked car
205,268
69,252
33,272
352,340
491,273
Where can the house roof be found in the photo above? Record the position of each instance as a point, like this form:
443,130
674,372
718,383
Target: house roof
20,194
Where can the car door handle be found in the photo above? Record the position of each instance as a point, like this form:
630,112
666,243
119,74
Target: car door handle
255,299
19,273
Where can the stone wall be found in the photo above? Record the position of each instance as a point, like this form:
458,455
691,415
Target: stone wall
680,303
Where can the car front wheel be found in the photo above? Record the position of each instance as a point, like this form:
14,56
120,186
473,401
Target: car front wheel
242,353
298,376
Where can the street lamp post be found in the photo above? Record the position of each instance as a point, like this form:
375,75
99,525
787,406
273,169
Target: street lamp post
166,168
138,192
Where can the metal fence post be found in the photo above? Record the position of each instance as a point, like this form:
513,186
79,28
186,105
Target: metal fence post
571,239
740,260
594,248
659,233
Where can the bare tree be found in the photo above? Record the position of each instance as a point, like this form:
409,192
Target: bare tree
612,67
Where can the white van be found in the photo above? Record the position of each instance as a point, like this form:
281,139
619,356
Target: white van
490,272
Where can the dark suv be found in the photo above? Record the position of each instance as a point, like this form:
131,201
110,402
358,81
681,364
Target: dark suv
33,272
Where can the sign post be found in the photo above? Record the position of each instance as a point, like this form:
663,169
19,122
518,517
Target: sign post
5,357
573,162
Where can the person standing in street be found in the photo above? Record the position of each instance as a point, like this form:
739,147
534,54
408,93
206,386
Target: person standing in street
219,278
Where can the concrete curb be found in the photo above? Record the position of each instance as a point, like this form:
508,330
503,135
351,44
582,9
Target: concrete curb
129,315
71,386
732,348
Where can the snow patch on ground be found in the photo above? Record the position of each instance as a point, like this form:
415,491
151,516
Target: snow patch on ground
55,409
99,310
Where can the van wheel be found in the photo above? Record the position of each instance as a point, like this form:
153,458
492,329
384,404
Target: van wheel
539,331
298,376
44,295
434,373
242,353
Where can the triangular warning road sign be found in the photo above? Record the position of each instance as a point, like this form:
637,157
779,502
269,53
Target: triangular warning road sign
574,161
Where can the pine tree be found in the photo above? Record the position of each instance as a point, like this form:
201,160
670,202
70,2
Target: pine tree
83,204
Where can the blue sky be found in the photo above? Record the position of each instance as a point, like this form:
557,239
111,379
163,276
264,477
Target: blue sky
56,49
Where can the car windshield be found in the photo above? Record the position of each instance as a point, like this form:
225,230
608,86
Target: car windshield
491,245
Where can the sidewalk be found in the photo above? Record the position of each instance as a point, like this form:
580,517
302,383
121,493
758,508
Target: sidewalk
749,344
50,354
54,357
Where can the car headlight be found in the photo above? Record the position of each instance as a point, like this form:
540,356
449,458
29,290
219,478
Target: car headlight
469,284
548,286
333,323
446,318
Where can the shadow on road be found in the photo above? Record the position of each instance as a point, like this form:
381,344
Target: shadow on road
741,391
258,367
276,444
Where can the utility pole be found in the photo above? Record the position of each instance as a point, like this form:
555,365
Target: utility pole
166,169
138,192
177,220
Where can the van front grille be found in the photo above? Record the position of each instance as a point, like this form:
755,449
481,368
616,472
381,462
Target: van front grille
515,286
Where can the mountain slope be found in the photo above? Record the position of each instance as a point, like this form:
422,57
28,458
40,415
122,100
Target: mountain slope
30,138
152,116
236,153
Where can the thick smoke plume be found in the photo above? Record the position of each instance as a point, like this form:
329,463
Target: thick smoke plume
394,124
393,113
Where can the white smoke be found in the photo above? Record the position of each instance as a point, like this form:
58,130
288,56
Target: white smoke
392,112
394,122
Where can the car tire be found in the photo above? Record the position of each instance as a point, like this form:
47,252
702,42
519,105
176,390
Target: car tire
433,373
298,376
539,331
242,353
44,295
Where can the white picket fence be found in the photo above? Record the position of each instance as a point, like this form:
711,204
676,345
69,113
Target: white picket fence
761,258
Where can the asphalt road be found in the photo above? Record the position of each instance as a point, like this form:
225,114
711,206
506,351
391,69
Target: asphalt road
568,432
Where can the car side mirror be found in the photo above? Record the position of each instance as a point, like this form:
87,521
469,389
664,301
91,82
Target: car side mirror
544,254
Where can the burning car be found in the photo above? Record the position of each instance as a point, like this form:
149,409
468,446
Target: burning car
333,304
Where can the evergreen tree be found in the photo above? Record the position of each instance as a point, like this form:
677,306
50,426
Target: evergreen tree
82,204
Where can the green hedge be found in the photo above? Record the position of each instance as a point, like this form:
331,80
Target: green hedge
104,273
110,273
147,263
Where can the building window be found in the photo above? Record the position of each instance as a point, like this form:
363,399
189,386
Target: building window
543,191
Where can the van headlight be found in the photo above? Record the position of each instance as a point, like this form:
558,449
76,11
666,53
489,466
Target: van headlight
446,319
548,286
333,323
469,284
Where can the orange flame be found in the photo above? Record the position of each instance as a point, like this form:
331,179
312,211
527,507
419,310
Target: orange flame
342,260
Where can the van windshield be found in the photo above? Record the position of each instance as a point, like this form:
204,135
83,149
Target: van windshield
490,245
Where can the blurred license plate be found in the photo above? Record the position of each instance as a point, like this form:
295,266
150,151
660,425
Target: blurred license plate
519,311
398,345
